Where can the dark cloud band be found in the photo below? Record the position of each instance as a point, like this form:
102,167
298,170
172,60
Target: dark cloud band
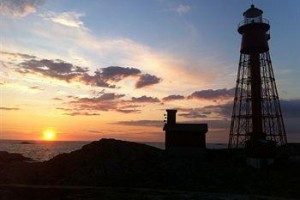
213,94
103,77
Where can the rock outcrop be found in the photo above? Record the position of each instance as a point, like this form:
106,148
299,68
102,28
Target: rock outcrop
6,157
120,164
107,162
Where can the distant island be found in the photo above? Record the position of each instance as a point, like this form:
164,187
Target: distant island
114,169
26,142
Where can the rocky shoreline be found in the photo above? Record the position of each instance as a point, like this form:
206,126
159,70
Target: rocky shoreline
109,163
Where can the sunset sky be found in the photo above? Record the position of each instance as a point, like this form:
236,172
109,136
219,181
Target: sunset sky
108,69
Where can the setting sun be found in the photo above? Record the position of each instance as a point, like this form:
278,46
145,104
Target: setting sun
49,135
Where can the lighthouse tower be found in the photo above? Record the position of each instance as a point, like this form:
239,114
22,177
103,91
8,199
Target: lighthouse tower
256,114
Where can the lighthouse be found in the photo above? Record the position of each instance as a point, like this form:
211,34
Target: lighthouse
256,116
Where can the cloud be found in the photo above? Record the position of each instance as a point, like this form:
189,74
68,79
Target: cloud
292,128
144,99
65,109
102,77
104,102
97,106
102,98
290,112
57,69
111,102
218,124
94,131
212,123
85,47
81,113
127,107
182,9
146,80
21,87
291,108
220,111
36,88
57,99
194,113
70,19
116,73
9,108
95,80
19,8
151,123
126,111
55,66
76,112
219,94
10,55
173,98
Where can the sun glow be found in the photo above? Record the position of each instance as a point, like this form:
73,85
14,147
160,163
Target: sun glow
49,135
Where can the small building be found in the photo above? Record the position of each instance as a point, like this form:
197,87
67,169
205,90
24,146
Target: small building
183,136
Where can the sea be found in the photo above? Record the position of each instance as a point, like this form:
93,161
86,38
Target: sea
45,150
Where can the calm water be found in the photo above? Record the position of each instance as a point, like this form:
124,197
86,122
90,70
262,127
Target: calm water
41,150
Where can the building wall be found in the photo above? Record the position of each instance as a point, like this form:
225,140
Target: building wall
185,139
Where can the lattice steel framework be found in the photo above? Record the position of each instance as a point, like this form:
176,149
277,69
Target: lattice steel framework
256,110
